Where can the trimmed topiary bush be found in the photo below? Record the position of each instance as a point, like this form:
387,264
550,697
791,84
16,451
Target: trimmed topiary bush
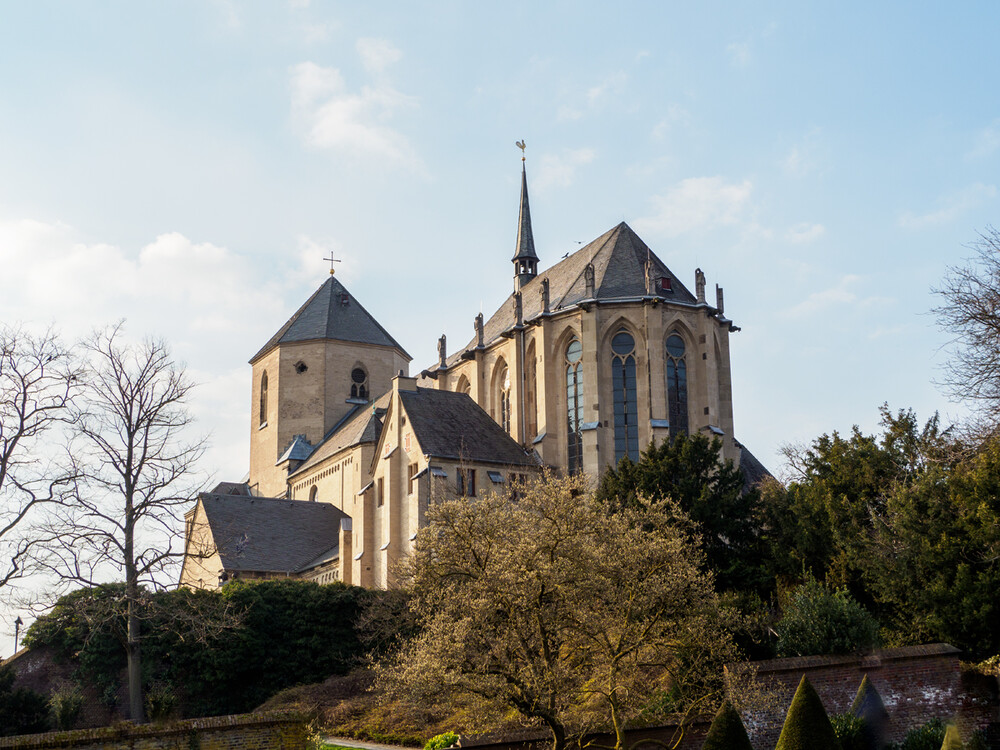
727,731
952,740
868,707
807,727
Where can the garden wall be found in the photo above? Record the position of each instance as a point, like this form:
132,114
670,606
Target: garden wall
917,684
246,732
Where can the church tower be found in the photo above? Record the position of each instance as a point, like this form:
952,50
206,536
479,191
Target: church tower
525,261
330,357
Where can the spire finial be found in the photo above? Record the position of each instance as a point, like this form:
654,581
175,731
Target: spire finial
332,261
520,145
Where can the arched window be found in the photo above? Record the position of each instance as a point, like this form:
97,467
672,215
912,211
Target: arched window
464,386
623,384
359,383
574,404
531,410
263,399
501,396
312,494
677,390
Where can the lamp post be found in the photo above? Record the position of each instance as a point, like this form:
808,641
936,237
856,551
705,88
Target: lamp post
17,631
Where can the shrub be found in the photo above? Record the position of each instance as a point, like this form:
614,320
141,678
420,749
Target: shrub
807,727
930,736
727,731
64,706
819,620
850,731
22,711
441,741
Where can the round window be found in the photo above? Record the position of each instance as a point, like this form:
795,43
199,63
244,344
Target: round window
675,345
574,351
622,343
358,375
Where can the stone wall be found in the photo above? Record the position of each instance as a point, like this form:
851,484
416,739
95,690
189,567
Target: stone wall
246,732
916,683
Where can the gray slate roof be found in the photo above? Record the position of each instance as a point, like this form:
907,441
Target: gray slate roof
754,472
524,246
619,258
325,316
269,535
451,425
362,425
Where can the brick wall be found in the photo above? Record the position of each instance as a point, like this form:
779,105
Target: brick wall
917,684
245,732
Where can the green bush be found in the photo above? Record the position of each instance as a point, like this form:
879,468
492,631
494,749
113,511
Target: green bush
65,704
850,731
807,727
930,736
727,731
22,711
820,620
441,741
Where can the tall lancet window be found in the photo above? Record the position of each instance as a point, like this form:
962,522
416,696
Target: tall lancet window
677,389
574,404
263,399
501,396
623,384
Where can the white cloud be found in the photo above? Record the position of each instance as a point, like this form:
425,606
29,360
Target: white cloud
696,203
331,117
609,86
739,53
676,115
987,141
805,156
560,170
377,54
837,296
950,207
804,232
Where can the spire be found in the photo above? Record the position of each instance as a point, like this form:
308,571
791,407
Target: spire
525,261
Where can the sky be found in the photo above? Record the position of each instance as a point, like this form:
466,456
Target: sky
186,166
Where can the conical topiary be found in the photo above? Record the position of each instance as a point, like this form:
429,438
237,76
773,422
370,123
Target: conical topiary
952,739
868,707
807,727
727,731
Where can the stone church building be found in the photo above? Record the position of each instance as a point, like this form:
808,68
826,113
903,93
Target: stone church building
585,362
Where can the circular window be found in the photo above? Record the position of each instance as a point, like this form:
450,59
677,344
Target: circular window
675,345
574,351
622,343
358,375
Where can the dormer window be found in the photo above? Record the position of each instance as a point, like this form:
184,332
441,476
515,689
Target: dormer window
666,284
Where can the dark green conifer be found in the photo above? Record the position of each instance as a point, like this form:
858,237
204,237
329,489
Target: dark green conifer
807,727
727,731
868,707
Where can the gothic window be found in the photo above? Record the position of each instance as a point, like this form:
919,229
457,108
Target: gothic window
501,396
312,494
623,385
359,383
464,386
263,399
532,388
574,404
677,399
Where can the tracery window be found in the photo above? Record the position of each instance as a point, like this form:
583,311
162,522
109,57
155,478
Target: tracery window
263,399
501,397
677,399
359,383
574,404
464,386
623,385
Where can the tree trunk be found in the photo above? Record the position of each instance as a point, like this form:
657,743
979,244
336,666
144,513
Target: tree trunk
136,710
558,733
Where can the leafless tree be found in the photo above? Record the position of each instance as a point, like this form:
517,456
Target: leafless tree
38,380
135,468
970,311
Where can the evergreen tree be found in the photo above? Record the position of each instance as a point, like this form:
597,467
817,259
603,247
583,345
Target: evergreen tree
807,727
868,707
727,731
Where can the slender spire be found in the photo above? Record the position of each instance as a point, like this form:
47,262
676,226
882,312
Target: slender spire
525,261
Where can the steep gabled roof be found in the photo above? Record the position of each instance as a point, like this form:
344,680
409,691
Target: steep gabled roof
331,313
362,425
450,425
619,257
269,535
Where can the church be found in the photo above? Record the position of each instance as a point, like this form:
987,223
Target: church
585,362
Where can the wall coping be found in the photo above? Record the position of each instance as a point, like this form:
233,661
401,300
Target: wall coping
868,660
129,729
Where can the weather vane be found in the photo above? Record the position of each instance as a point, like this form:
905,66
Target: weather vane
332,261
520,145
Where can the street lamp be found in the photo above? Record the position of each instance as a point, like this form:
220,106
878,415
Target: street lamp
17,631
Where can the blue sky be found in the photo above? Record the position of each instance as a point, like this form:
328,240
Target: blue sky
187,165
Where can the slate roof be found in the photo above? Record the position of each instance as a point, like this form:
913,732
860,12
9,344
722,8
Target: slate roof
451,425
754,472
269,535
524,246
325,316
619,258
363,424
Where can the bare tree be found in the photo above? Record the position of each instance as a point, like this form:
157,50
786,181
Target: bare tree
970,311
38,380
123,516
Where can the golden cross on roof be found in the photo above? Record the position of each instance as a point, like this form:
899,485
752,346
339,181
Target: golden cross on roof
332,261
